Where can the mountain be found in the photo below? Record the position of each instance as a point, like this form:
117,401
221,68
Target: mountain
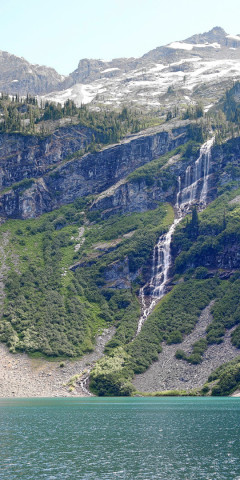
17,76
123,222
198,69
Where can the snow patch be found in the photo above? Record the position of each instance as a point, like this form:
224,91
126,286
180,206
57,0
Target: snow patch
110,70
208,107
180,46
185,60
158,67
214,45
233,37
147,84
190,46
79,93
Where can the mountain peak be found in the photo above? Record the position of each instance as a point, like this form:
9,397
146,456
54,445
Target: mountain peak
216,34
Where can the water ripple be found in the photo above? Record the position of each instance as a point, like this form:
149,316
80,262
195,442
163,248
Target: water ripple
122,439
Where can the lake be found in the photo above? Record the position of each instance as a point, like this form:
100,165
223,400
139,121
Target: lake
120,438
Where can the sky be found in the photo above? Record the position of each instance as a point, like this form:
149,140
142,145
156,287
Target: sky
59,33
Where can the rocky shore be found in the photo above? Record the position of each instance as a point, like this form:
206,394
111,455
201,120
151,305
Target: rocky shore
22,376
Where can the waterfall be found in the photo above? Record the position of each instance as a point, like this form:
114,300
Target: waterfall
194,176
179,192
207,161
84,382
160,271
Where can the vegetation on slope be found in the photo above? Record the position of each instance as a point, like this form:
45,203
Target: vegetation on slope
55,311
177,313
25,115
175,316
218,227
224,380
231,103
153,172
205,251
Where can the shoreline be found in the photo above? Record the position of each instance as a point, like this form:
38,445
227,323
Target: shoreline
25,377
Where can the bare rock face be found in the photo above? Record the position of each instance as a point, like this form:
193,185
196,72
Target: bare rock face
217,34
230,257
27,156
138,196
128,197
79,177
49,182
19,76
89,70
117,274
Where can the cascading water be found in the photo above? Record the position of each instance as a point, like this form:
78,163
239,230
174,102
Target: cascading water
186,196
207,161
199,171
179,192
160,270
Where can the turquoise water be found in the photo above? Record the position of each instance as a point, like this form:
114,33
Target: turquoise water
120,438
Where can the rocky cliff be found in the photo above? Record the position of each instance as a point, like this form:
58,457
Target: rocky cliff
138,195
27,157
18,76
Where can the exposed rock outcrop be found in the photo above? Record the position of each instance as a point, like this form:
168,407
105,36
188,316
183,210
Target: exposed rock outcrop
138,196
89,174
118,275
17,75
28,156
104,172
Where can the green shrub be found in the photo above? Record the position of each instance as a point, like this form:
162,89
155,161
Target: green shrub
227,377
180,355
205,389
195,357
110,376
236,337
201,272
174,337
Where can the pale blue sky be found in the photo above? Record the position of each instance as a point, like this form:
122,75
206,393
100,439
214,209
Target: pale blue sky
59,33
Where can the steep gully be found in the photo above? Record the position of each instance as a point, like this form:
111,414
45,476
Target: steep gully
193,188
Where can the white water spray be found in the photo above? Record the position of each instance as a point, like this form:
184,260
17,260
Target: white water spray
194,175
84,382
179,192
161,265
186,197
